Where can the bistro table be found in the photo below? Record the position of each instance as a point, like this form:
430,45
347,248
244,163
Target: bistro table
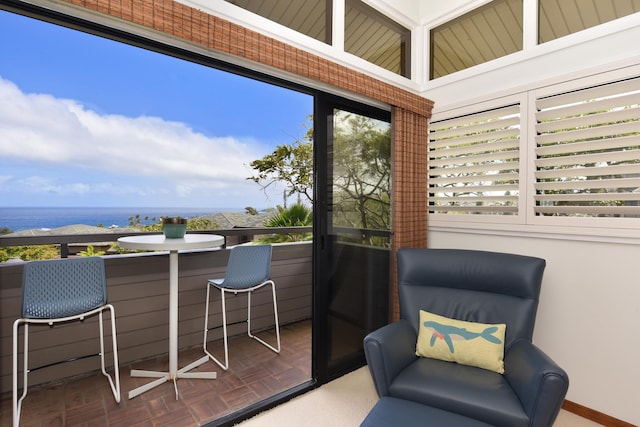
160,243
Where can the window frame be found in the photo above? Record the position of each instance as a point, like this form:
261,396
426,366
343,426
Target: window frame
516,219
467,18
585,25
328,29
386,21
531,46
586,223
474,143
526,221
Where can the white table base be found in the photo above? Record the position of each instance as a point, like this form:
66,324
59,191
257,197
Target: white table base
166,376
173,373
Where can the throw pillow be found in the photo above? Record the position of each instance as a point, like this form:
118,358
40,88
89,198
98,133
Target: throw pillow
468,343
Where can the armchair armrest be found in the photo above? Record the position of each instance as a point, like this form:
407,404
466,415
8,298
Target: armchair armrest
388,350
538,381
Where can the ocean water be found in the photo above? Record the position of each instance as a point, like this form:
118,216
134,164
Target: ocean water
27,218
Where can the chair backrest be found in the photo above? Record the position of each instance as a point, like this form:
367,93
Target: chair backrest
63,287
475,286
248,266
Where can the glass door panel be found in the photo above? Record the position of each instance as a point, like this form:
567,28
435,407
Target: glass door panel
355,249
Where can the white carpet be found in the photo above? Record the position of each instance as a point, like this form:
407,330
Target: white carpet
345,402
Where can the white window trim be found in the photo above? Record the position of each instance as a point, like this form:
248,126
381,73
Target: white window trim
530,50
282,33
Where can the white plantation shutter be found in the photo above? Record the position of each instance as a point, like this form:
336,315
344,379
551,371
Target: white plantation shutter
588,152
474,163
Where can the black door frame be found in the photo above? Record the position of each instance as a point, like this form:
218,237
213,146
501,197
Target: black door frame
324,105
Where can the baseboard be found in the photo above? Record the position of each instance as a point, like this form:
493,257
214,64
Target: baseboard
593,415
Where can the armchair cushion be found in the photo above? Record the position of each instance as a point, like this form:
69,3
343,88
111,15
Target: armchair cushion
390,411
473,392
468,343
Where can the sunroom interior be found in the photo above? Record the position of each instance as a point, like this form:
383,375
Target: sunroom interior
450,72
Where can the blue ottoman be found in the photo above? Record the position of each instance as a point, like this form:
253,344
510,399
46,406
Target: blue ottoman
394,412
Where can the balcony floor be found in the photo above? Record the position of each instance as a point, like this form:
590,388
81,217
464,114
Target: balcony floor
254,374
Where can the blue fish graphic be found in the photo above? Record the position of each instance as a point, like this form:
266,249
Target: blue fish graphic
449,333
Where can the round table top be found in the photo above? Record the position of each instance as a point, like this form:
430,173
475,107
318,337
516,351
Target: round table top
159,242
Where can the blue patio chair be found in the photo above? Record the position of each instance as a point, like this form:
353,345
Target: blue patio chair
57,291
248,269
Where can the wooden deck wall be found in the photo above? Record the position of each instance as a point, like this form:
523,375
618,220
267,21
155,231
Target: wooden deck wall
138,288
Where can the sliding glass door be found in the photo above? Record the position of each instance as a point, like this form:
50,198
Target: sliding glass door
352,226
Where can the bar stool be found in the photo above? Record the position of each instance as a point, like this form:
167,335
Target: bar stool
56,291
248,269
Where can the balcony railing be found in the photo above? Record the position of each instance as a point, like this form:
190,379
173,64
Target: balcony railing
138,288
232,236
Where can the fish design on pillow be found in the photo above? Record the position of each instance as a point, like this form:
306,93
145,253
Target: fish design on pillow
450,333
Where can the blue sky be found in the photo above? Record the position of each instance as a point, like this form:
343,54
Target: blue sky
86,121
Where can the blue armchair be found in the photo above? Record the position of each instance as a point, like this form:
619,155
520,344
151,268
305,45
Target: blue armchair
474,286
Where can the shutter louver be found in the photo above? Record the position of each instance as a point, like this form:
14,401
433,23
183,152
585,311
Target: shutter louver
474,163
588,152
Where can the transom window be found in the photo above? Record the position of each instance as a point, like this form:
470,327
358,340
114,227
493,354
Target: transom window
311,18
497,29
372,36
368,34
560,18
486,33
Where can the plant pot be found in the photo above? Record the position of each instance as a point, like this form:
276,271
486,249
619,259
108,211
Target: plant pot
174,227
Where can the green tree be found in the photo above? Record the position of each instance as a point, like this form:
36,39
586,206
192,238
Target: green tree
251,211
136,221
362,171
29,253
91,251
297,215
290,164
26,253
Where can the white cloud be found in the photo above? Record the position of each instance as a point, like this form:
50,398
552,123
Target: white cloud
44,130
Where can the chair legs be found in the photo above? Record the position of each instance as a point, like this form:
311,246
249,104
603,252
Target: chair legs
114,382
115,385
223,291
17,403
224,365
275,316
